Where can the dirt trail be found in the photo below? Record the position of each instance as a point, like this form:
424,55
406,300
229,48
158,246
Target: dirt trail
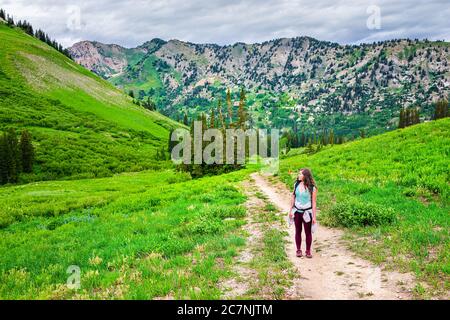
334,272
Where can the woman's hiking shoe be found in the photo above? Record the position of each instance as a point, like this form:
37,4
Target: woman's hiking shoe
299,253
308,254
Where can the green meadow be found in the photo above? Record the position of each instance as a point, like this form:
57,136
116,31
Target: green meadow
162,234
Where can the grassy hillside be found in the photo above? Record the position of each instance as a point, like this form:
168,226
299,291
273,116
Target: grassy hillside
81,125
406,171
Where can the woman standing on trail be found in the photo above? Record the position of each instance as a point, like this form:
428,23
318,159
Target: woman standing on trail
303,208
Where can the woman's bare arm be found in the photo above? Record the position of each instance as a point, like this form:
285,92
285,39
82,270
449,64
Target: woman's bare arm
314,198
292,204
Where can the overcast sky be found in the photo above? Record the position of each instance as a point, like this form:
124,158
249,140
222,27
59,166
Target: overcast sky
132,22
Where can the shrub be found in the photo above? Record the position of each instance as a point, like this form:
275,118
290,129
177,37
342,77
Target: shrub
409,192
352,213
179,177
227,211
204,225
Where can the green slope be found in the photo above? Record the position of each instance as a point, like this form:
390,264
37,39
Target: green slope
82,126
415,158
406,171
144,76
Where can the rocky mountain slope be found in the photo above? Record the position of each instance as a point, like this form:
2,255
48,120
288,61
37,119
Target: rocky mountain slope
291,82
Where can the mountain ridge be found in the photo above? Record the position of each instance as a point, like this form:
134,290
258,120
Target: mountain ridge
319,78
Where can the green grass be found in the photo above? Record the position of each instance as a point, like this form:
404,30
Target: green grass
54,198
406,171
273,268
143,74
81,125
275,272
147,75
152,235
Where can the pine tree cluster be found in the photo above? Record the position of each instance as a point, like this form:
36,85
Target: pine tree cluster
16,156
441,110
225,119
38,34
408,117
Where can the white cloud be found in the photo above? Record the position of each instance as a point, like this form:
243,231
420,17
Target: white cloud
130,23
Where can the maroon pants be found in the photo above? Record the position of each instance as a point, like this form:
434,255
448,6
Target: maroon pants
298,220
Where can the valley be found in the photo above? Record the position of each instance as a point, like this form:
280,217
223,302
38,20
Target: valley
104,214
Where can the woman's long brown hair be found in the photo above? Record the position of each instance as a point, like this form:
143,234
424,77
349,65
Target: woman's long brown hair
308,179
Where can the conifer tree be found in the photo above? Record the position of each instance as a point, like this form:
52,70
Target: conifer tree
212,120
242,113
437,110
309,147
219,110
191,129
171,143
401,121
295,140
302,139
324,137
441,109
3,159
410,116
15,158
9,21
416,116
204,123
362,133
406,119
26,151
149,104
185,119
229,108
10,157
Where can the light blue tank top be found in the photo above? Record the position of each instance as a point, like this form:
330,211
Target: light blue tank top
302,197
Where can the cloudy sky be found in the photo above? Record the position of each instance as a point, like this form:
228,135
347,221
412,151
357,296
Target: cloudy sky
132,22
